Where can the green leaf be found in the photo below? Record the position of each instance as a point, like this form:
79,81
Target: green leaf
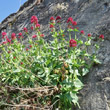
47,70
79,41
77,73
71,71
97,61
75,30
78,83
17,70
86,54
69,61
97,46
69,30
88,42
74,97
56,96
84,71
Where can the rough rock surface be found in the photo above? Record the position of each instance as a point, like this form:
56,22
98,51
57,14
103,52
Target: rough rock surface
92,16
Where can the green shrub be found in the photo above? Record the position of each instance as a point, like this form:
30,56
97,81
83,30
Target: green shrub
61,62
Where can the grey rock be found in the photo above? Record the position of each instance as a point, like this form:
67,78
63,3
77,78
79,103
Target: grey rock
93,16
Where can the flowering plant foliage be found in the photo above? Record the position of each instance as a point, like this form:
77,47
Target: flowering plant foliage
61,63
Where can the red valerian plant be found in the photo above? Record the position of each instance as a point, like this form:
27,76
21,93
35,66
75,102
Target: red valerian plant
30,46
20,34
3,34
60,63
51,26
8,40
13,36
32,28
101,36
4,42
25,29
73,43
70,20
41,35
52,18
34,20
58,18
82,32
89,35
37,25
74,23
34,36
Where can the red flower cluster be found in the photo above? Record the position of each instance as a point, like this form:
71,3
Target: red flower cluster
9,51
58,18
89,35
42,35
13,36
70,19
3,35
74,23
32,28
34,36
52,22
30,46
51,26
8,40
4,42
63,35
25,29
27,49
37,25
82,32
21,63
14,57
73,43
34,20
101,36
52,18
70,27
20,35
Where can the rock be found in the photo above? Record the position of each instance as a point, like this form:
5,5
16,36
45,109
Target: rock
92,17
